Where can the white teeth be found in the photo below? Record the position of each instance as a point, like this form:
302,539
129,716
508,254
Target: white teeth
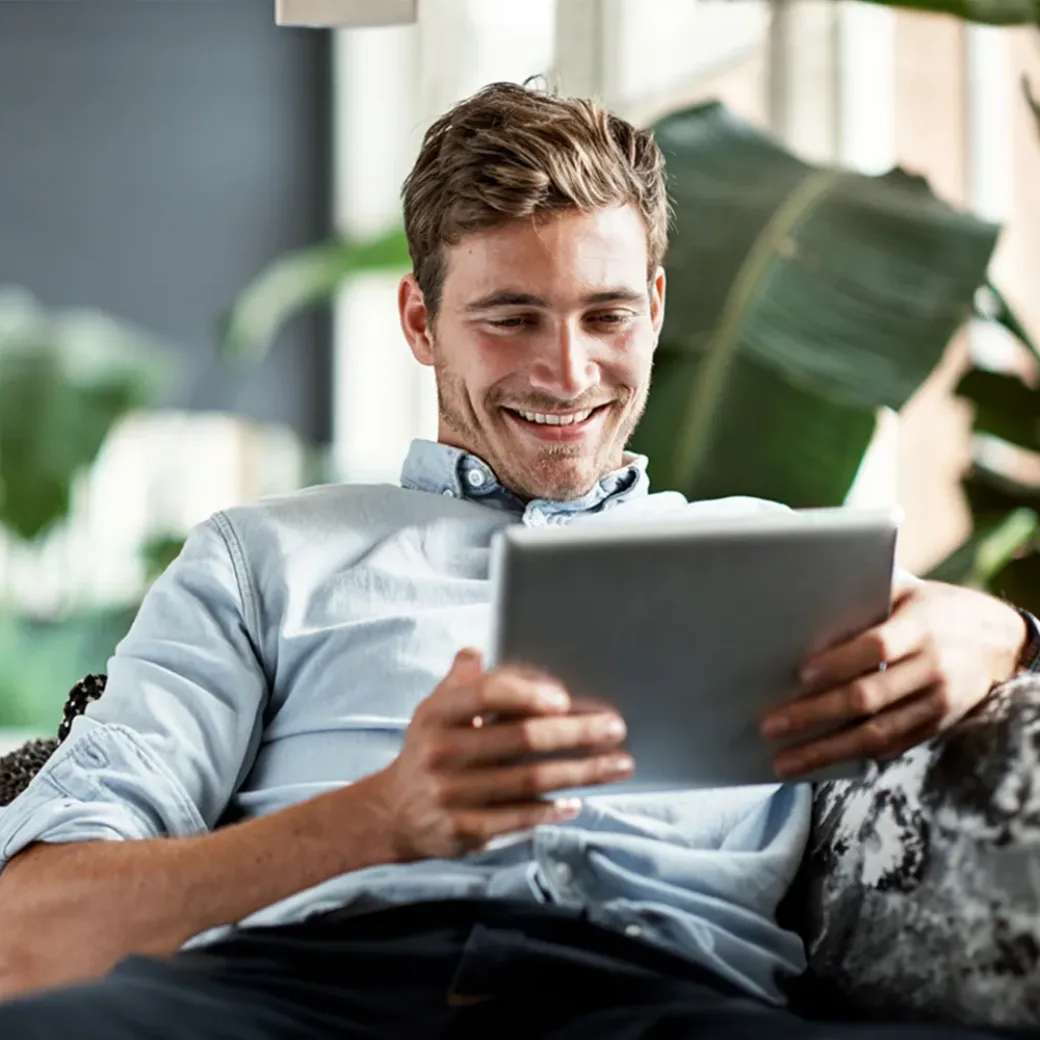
554,419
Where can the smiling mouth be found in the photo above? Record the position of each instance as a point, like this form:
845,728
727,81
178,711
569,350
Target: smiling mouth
557,420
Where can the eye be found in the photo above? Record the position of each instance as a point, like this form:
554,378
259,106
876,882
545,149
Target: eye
515,322
611,319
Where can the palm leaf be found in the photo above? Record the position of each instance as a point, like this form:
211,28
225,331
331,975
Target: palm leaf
800,301
302,279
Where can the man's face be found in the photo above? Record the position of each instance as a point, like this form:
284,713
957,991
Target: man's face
543,346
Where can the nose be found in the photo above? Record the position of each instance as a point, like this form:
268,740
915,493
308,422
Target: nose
565,365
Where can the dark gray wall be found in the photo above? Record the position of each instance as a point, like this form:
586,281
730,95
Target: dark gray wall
153,156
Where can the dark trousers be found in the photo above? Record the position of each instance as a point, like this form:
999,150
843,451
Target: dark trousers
451,970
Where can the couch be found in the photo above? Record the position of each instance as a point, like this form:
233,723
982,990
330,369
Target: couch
919,894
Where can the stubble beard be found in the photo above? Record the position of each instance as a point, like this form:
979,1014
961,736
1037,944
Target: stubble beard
547,475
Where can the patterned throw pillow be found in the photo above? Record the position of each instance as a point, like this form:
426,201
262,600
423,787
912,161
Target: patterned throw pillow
19,767
923,878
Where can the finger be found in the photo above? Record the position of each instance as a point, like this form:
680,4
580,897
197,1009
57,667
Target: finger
535,735
900,636
505,691
531,780
467,667
477,827
907,741
864,696
878,737
904,584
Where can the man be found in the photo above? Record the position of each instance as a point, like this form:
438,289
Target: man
296,678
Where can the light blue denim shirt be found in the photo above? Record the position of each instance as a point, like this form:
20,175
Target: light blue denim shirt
282,656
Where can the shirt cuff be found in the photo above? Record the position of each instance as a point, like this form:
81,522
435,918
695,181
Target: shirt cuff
101,784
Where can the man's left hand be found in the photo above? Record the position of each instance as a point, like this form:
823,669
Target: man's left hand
943,649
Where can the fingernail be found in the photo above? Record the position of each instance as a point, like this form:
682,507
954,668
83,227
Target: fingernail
567,808
809,675
611,727
468,659
622,764
554,697
775,726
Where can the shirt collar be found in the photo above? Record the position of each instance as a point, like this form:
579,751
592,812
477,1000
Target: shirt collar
443,470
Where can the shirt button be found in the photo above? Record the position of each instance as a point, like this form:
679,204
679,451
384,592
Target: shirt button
448,493
633,931
563,873
476,478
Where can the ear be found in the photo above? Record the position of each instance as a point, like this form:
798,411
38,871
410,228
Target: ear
657,287
415,320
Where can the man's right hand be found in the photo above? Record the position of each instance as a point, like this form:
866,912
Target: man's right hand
461,778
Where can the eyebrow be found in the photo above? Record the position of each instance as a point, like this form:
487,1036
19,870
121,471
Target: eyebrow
508,298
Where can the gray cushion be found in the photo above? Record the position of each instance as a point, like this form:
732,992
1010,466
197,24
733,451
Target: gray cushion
923,879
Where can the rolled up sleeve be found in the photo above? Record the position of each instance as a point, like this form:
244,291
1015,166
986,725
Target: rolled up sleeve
163,750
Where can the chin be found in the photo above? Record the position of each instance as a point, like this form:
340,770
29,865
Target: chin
564,485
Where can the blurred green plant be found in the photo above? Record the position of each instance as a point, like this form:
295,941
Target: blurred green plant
1002,553
304,278
1002,487
41,658
810,297
66,379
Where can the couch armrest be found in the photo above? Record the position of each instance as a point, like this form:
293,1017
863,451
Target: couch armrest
921,884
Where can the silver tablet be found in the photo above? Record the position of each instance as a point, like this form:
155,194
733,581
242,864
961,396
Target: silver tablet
691,628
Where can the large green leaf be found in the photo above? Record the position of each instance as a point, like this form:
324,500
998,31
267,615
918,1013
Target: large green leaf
992,12
301,279
65,380
1004,406
800,301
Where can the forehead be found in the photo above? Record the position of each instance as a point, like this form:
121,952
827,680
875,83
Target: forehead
604,247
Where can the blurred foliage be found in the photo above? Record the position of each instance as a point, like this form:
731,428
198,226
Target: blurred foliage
301,279
1002,553
65,381
41,659
158,553
803,299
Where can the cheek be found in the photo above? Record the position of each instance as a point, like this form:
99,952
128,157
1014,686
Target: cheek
485,367
630,362
496,359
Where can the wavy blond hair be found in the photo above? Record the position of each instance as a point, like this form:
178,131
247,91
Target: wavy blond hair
512,152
